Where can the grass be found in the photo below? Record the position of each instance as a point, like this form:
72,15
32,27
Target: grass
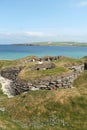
30,75
60,44
66,61
49,110
62,109
1,93
7,63
61,68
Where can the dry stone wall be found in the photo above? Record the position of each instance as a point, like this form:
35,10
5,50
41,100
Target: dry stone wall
48,82
54,82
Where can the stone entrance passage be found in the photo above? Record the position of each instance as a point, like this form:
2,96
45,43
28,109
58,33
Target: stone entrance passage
85,66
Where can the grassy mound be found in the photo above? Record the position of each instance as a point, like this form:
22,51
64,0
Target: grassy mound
26,74
60,68
64,109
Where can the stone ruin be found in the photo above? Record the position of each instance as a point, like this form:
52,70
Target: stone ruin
43,66
48,82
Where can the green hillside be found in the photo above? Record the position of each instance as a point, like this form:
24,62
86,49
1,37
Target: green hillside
50,110
53,44
62,109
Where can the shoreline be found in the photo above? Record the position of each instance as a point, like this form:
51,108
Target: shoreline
8,52
52,43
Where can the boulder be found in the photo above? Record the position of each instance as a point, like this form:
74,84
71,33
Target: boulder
10,73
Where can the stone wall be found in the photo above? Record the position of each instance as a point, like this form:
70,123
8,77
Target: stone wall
48,82
10,73
55,82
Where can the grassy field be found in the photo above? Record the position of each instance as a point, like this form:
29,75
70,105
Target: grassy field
8,63
62,109
26,74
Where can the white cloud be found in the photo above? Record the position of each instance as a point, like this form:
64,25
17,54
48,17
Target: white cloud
26,34
38,34
82,4
5,34
63,34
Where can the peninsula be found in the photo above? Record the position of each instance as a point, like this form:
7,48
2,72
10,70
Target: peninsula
52,44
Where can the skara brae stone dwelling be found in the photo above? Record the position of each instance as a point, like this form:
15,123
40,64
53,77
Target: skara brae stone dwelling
47,82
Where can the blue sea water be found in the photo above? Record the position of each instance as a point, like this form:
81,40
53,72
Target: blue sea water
16,52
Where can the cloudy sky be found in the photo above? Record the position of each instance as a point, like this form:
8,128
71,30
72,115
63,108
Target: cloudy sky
43,20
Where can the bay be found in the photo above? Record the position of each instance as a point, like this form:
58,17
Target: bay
18,51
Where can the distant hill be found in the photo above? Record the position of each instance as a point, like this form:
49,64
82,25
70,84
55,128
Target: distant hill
53,44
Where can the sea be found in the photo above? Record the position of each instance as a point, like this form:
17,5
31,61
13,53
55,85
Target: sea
12,52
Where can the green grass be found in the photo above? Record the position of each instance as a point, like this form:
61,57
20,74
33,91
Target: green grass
60,44
62,109
1,93
67,61
7,63
35,74
61,68
48,110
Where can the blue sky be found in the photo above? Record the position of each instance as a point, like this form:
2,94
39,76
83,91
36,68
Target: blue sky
43,20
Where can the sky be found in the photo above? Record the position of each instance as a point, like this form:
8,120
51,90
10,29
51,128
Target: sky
26,21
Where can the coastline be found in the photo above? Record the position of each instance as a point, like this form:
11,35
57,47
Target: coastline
52,44
14,52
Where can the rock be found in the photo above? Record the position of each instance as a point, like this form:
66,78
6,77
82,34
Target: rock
42,86
10,73
59,81
51,58
43,66
59,85
34,89
2,109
